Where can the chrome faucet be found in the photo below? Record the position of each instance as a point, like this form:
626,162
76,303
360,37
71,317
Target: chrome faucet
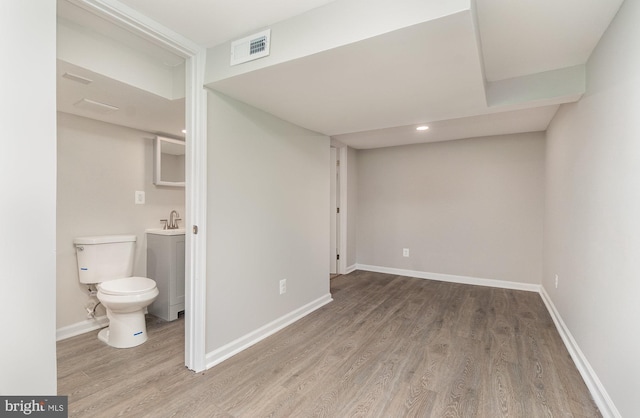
172,223
174,217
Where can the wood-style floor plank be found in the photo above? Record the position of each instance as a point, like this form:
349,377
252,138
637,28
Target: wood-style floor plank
388,346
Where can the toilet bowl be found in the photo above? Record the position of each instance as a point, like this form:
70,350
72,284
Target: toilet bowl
107,262
126,300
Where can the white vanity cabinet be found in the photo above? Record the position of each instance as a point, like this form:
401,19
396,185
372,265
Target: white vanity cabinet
165,265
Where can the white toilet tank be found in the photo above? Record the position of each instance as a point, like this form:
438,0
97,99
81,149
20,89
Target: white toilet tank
102,258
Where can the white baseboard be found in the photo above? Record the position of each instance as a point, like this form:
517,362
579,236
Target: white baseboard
81,327
600,395
219,355
351,268
503,284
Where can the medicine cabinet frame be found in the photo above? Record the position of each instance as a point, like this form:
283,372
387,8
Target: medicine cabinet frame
169,147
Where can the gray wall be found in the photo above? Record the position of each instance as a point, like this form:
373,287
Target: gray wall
470,207
592,226
267,219
100,166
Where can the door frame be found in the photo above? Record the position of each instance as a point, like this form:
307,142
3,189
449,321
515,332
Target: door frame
342,219
344,209
196,162
334,199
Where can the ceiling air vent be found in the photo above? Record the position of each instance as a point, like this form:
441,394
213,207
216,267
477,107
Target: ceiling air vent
94,106
250,48
77,78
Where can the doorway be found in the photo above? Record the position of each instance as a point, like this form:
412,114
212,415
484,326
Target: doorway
195,126
338,253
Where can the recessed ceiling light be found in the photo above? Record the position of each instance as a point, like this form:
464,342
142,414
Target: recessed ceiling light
422,128
184,131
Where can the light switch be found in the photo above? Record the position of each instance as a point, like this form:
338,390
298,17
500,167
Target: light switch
139,199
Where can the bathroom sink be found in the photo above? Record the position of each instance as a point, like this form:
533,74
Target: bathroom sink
179,231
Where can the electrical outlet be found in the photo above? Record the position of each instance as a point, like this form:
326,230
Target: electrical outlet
283,286
556,281
405,252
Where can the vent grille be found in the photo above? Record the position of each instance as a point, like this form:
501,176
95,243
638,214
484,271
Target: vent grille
77,78
98,107
250,48
258,45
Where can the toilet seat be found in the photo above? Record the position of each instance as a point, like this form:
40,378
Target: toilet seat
127,286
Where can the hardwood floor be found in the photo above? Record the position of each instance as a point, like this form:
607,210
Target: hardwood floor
388,346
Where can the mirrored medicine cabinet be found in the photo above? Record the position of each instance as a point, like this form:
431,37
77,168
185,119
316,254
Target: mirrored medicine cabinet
169,162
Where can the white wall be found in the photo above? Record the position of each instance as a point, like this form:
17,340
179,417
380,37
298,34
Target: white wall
471,207
28,184
267,219
592,225
100,166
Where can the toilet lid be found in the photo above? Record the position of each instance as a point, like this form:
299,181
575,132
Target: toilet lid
127,286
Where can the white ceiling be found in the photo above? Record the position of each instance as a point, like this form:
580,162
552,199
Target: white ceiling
138,109
212,22
502,123
374,92
376,83
530,36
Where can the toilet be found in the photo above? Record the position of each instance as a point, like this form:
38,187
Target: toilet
107,262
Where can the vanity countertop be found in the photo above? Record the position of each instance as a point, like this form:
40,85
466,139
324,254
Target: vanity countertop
179,231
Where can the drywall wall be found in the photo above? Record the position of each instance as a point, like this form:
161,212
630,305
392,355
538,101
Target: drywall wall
592,215
267,219
28,184
469,207
100,167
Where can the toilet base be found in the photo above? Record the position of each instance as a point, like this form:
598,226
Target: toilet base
103,335
125,330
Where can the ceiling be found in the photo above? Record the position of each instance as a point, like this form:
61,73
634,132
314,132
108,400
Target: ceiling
212,22
377,83
79,88
373,93
530,36
137,108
